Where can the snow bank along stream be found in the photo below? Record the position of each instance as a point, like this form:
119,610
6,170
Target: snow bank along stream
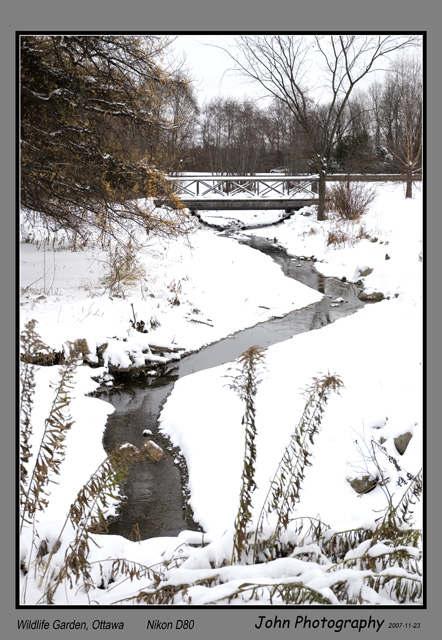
156,500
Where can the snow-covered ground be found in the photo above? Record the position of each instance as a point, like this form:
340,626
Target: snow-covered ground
221,287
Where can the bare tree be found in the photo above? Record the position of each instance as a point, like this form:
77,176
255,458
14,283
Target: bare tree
178,107
401,116
233,136
315,76
286,140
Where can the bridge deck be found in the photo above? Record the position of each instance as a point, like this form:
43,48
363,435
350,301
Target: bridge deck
231,204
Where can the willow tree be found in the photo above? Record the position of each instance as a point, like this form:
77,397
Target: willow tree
315,77
90,107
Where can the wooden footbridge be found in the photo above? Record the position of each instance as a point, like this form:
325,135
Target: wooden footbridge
210,193
206,192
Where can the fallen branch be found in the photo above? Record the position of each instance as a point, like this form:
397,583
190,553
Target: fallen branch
200,322
155,348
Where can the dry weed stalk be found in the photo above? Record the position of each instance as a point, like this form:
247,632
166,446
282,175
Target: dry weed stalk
285,487
50,454
245,384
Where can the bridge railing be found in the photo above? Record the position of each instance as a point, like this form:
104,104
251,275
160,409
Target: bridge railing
194,186
211,192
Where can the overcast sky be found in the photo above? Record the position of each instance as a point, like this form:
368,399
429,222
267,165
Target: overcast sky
211,68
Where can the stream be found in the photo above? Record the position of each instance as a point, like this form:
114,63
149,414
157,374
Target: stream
156,493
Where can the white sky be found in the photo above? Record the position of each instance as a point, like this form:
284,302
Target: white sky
211,68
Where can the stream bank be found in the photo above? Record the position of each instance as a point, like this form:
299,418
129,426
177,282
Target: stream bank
156,502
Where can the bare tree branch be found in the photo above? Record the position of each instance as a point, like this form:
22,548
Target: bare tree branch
315,77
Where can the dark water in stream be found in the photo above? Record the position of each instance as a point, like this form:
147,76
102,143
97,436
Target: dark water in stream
156,502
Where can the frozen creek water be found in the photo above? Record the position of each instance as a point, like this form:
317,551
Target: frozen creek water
156,493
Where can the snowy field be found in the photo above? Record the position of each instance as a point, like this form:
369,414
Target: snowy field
222,287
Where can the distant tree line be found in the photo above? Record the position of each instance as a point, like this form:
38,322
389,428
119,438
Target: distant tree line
380,131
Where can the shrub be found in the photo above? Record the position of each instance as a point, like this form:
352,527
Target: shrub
123,269
350,200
